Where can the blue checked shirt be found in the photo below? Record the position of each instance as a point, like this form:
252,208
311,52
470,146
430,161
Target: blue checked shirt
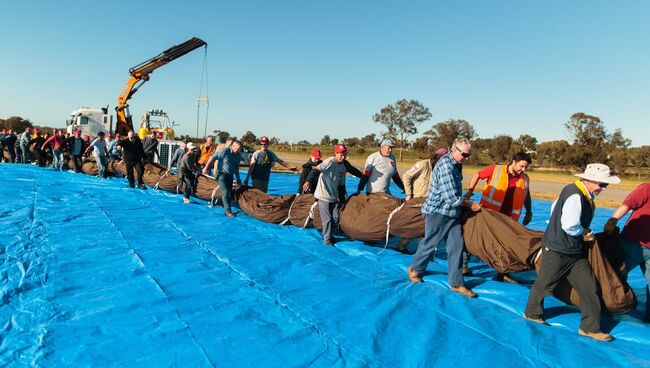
445,191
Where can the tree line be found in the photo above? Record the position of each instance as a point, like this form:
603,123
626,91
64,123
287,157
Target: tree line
591,141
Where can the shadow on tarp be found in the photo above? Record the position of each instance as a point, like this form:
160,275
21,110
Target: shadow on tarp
96,274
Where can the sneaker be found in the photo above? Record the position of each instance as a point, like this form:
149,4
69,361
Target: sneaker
186,200
413,275
536,319
229,214
462,290
598,335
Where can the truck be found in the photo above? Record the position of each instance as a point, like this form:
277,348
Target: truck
156,121
90,121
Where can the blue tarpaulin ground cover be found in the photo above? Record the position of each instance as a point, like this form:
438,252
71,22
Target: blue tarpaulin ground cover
96,274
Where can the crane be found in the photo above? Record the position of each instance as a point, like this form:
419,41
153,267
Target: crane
140,74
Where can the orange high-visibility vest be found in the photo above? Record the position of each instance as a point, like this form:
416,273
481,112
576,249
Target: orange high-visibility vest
495,189
206,153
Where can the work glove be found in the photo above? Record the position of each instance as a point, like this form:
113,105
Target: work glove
610,226
588,235
469,194
527,218
409,197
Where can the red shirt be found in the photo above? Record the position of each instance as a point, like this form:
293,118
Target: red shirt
637,227
506,207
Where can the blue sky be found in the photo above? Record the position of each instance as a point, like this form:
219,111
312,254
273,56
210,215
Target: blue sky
302,69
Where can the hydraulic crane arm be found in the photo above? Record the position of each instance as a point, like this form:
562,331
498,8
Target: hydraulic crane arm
140,74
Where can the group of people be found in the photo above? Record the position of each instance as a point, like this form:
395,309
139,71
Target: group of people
55,148
438,180
563,242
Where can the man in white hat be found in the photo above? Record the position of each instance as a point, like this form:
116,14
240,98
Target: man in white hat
564,255
380,168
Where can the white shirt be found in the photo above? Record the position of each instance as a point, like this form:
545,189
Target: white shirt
380,170
571,213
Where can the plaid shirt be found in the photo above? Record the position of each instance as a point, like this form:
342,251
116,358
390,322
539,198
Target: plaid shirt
445,191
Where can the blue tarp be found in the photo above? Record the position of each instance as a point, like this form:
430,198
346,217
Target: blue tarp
95,274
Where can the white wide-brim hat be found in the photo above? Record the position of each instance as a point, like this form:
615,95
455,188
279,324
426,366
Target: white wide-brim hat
599,173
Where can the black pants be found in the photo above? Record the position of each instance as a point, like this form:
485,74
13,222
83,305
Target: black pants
189,179
40,157
137,165
575,268
77,162
12,154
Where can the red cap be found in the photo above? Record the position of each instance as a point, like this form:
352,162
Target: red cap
86,137
35,130
264,140
315,153
340,148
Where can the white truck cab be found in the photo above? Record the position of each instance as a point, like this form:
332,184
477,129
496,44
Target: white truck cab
90,121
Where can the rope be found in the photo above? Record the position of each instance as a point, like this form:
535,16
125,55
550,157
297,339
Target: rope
539,253
206,99
290,207
213,195
160,178
311,213
390,217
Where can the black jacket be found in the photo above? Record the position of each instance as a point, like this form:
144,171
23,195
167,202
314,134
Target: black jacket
306,169
9,140
133,150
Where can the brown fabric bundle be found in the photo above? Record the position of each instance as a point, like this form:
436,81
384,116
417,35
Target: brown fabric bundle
152,173
616,293
499,241
116,167
408,222
365,217
205,188
299,211
268,208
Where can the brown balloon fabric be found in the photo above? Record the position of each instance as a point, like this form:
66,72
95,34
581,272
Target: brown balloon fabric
206,188
265,207
299,212
499,241
365,217
408,222
616,293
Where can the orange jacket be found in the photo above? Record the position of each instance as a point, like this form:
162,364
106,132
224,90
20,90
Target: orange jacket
206,152
495,190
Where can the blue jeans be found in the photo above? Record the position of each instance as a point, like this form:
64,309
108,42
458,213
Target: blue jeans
438,228
25,149
635,254
101,165
57,160
225,183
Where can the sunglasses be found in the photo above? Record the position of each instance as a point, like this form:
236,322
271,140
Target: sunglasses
465,155
603,185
